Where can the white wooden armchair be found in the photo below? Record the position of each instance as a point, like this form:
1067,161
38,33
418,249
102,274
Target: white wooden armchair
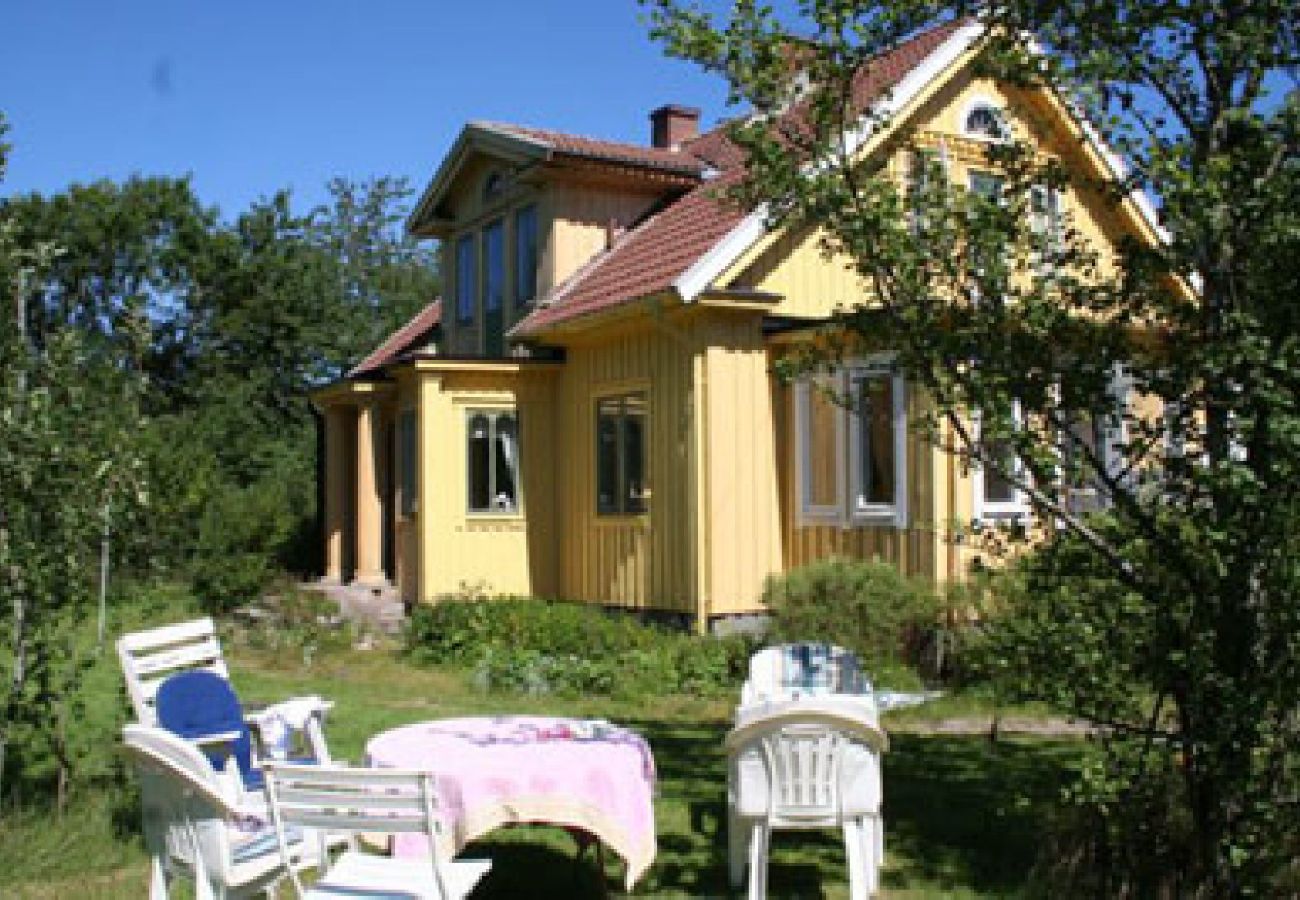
804,769
334,799
148,658
195,825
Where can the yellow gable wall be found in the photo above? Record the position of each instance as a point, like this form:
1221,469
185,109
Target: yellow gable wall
792,264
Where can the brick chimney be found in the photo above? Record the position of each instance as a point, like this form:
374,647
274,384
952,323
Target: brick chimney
671,125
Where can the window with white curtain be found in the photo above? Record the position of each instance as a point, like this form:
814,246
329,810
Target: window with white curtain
851,444
493,460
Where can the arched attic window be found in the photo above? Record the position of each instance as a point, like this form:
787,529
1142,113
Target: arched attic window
493,184
985,121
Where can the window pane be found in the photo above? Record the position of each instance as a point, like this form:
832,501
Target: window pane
466,279
525,255
876,412
480,457
985,121
634,433
607,428
996,488
494,272
822,488
506,498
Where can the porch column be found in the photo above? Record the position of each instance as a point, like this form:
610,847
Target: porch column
370,569
336,490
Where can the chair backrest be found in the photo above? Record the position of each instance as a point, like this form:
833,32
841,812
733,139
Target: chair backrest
149,658
341,800
197,704
805,669
185,804
803,767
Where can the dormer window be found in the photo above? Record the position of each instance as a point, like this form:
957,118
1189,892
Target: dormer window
985,122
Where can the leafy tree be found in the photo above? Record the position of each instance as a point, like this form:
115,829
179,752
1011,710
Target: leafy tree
65,458
1169,616
384,275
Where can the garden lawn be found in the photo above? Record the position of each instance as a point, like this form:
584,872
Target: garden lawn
963,815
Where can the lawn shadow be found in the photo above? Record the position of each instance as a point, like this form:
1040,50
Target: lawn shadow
964,811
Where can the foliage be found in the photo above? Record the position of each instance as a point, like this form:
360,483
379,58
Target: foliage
1171,614
66,467
571,649
871,608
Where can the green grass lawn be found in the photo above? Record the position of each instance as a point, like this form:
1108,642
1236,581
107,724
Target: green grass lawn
963,815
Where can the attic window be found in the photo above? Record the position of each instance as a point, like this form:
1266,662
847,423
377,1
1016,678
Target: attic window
985,121
494,184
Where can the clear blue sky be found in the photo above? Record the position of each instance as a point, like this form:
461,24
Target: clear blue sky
254,95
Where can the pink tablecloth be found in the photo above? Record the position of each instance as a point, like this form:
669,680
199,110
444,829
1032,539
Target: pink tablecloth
501,770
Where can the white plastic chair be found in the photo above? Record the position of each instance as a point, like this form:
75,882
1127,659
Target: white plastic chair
356,801
194,825
804,770
148,658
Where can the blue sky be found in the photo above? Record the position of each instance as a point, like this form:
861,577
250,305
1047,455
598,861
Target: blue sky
250,96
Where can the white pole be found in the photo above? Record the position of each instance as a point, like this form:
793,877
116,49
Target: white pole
103,578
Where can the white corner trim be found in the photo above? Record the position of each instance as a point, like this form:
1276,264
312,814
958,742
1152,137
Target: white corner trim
1114,162
701,274
695,280
1119,171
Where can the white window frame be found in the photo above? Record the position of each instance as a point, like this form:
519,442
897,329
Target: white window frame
493,414
845,510
999,510
895,513
985,102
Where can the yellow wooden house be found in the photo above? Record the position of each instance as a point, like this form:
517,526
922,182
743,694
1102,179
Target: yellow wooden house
590,411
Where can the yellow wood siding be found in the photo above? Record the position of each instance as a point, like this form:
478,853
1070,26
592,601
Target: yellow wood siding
743,515
582,213
488,553
644,561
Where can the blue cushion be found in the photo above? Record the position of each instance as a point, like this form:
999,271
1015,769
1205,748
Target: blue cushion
194,705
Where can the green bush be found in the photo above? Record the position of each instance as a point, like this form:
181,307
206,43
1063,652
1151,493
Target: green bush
547,647
891,621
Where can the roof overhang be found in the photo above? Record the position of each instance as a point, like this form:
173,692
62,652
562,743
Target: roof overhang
474,138
922,81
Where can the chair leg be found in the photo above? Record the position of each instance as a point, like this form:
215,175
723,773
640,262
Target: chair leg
867,826
758,847
859,887
157,879
739,835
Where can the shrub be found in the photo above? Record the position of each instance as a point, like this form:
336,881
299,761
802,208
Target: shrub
548,647
888,619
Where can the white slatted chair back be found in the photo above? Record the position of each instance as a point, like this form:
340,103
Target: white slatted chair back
352,801
149,658
194,823
803,766
799,768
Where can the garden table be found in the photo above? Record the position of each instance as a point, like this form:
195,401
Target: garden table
584,775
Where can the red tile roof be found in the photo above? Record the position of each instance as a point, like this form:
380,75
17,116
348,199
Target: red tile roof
401,340
652,255
604,151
